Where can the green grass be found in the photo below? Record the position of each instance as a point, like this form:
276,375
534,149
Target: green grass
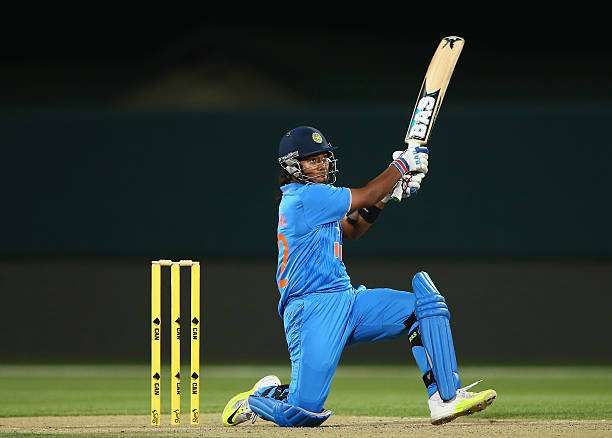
523,392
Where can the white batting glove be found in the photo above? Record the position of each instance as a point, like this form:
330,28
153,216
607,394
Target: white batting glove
411,186
413,159
407,186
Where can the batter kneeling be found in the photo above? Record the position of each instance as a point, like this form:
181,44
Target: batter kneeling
323,313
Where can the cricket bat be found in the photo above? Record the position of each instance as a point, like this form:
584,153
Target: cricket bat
431,95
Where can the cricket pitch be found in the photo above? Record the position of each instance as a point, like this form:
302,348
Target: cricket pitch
352,426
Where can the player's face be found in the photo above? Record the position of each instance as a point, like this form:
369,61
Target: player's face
316,167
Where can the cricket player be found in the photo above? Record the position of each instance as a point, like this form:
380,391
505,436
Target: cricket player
323,313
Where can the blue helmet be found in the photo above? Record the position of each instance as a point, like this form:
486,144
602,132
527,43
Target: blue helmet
302,142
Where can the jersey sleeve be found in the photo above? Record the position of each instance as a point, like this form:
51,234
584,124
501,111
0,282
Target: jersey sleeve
324,203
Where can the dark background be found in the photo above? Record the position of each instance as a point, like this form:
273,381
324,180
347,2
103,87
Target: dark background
129,140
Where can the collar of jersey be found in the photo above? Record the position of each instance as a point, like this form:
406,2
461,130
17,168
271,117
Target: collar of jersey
290,187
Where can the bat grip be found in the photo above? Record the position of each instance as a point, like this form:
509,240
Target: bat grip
396,195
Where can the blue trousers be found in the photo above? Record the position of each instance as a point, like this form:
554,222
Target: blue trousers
318,326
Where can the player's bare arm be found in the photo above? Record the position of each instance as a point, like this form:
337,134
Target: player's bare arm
367,202
375,190
412,160
354,225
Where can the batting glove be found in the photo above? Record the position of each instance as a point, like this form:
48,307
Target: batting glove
408,185
413,159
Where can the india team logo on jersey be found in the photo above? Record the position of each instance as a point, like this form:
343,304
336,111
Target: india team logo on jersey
316,137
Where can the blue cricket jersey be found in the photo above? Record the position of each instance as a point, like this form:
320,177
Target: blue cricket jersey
310,240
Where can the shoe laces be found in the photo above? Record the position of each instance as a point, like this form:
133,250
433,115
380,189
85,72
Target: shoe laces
251,416
464,390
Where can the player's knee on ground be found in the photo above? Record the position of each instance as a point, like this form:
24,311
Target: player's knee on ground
285,414
312,405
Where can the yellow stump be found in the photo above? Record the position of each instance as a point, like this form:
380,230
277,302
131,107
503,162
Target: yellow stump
155,343
195,343
175,346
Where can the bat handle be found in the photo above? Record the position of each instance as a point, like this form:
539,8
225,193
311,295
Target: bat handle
396,195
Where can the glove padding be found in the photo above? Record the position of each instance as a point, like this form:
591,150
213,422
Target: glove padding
409,184
413,159
406,187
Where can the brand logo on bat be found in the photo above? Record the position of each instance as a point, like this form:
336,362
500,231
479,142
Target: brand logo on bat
423,115
450,41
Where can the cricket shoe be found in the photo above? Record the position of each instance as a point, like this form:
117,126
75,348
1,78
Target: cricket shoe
237,409
464,403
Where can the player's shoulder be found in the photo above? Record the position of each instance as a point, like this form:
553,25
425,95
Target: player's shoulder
316,194
299,189
291,188
309,194
320,189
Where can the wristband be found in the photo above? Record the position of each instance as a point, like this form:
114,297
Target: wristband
401,165
370,214
351,221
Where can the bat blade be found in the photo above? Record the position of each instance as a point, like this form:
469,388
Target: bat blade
431,95
433,89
